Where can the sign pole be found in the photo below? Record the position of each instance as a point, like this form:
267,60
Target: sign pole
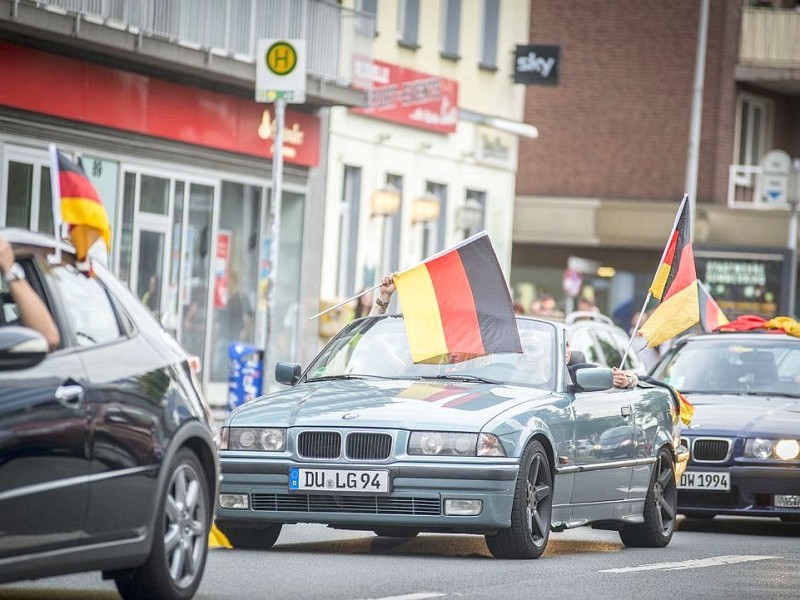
275,215
794,199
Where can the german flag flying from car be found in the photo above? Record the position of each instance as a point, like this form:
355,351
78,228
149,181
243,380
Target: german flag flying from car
458,301
80,205
711,315
675,284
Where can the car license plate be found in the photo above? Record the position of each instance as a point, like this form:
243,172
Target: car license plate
705,480
787,501
339,480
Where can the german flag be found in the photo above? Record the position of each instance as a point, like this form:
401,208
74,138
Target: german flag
458,302
711,315
686,408
675,284
676,270
81,207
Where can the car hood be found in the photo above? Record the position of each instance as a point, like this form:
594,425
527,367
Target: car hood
451,406
774,415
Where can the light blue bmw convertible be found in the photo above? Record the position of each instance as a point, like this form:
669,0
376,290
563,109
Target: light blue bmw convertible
509,446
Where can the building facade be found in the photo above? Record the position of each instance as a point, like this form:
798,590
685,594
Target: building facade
156,99
601,185
432,158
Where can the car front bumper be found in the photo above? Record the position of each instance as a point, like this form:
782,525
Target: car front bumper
753,491
416,499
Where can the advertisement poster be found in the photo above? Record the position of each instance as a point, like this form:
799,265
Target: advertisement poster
221,260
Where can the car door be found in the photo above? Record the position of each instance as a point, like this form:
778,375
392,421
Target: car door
43,444
604,428
123,398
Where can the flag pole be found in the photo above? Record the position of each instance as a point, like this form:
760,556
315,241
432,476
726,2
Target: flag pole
343,302
55,191
650,290
635,329
471,238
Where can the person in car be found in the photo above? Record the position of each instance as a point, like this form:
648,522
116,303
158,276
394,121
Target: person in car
33,312
621,379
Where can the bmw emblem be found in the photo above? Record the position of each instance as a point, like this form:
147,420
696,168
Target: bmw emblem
350,415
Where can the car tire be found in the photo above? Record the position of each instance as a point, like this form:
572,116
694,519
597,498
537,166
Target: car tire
660,506
530,513
174,568
252,538
396,532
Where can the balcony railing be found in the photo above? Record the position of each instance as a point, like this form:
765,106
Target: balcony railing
770,37
746,189
334,35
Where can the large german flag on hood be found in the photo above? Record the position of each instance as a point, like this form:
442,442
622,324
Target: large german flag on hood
458,302
81,207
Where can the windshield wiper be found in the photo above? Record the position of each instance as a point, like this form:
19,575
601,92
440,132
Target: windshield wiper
763,393
345,376
462,377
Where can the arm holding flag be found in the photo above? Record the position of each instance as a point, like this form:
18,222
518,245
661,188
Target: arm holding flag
32,310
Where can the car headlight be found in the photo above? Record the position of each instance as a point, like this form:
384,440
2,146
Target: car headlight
445,443
263,439
764,448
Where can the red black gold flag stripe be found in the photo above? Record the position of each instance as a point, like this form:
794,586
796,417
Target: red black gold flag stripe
711,315
458,302
81,207
676,270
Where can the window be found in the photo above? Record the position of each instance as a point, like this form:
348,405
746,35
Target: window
754,128
369,7
392,259
348,231
451,25
472,214
488,42
408,23
440,237
30,204
87,306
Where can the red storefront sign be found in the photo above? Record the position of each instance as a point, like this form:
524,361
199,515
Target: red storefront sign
49,84
408,97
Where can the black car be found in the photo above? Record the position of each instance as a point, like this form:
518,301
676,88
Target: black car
107,459
744,436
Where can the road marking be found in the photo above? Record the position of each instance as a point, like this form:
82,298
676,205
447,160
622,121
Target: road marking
699,563
414,596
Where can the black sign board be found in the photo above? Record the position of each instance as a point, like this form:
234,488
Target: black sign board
745,281
536,65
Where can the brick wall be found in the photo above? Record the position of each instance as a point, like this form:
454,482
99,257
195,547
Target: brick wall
617,124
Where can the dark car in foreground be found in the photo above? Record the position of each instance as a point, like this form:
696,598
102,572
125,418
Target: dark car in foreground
107,460
493,445
744,437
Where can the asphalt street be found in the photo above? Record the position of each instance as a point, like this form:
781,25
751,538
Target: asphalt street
723,558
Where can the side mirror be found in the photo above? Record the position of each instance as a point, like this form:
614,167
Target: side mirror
594,379
21,348
287,373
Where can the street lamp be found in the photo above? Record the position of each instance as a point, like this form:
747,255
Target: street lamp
385,201
425,208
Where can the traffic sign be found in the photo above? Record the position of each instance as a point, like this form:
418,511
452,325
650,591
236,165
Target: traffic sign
774,184
281,70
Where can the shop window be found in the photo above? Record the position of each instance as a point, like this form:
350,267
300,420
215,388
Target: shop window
235,272
125,235
29,197
154,195
451,27
408,24
488,42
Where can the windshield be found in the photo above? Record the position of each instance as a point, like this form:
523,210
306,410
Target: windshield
378,347
766,365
